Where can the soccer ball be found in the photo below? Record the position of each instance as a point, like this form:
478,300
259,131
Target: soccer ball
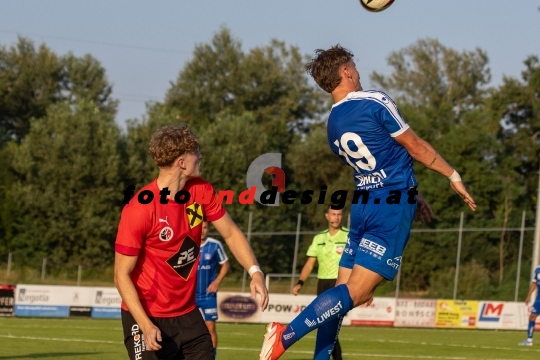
376,5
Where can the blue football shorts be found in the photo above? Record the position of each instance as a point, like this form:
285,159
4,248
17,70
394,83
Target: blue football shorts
535,310
379,234
208,308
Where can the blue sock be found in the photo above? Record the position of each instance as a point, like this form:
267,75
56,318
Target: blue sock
326,339
530,329
325,308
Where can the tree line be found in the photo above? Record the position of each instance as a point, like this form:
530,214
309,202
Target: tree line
65,161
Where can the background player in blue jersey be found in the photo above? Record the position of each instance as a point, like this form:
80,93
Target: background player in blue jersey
366,130
208,280
535,310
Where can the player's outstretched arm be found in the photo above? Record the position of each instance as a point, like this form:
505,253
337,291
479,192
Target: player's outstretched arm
123,266
423,152
241,250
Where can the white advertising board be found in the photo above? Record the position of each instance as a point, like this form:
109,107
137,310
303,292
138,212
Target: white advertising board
381,312
106,303
48,300
499,315
283,308
415,313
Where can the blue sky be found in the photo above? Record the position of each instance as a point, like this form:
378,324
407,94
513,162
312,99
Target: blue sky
143,44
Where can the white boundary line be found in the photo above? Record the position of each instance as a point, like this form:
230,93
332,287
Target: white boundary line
60,339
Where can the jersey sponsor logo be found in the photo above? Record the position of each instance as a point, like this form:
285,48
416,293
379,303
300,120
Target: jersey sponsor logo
195,215
183,260
491,312
310,323
205,267
166,234
339,249
395,263
373,178
372,246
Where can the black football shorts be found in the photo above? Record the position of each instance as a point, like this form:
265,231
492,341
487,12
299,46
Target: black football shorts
183,337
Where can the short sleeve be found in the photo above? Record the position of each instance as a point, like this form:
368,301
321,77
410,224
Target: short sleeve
389,116
212,209
132,230
313,249
222,256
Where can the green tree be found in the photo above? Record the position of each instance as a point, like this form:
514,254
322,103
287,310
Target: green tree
269,81
31,79
69,193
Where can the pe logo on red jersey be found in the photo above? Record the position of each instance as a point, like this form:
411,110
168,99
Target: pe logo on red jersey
183,260
195,215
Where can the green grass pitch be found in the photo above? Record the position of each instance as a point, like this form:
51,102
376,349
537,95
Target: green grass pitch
88,339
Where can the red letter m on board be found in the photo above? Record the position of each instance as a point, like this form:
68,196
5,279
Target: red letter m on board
490,309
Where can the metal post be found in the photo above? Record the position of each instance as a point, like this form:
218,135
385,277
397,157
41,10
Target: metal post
249,241
8,264
298,222
521,236
43,268
536,246
79,275
398,281
456,278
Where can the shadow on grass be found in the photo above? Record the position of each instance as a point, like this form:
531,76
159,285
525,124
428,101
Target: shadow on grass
49,355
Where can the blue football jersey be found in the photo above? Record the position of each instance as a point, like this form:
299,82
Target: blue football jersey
361,131
211,254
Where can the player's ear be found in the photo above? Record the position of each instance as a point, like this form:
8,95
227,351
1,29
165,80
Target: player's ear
180,162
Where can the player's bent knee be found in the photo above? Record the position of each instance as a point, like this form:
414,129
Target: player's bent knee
360,295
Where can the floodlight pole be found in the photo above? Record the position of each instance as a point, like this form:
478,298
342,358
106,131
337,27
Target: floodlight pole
521,236
456,277
248,237
295,256
536,246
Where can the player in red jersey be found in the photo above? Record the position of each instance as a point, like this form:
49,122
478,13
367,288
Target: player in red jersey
157,250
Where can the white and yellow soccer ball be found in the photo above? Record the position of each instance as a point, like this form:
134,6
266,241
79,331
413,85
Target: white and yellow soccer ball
376,5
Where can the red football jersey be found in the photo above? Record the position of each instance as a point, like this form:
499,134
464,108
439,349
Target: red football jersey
166,238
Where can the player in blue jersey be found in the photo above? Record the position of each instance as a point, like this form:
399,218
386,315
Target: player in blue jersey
208,280
535,310
366,130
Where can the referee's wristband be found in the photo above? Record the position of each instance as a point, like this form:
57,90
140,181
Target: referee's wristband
253,269
300,282
454,177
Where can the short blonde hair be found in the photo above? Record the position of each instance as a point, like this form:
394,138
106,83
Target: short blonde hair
170,142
